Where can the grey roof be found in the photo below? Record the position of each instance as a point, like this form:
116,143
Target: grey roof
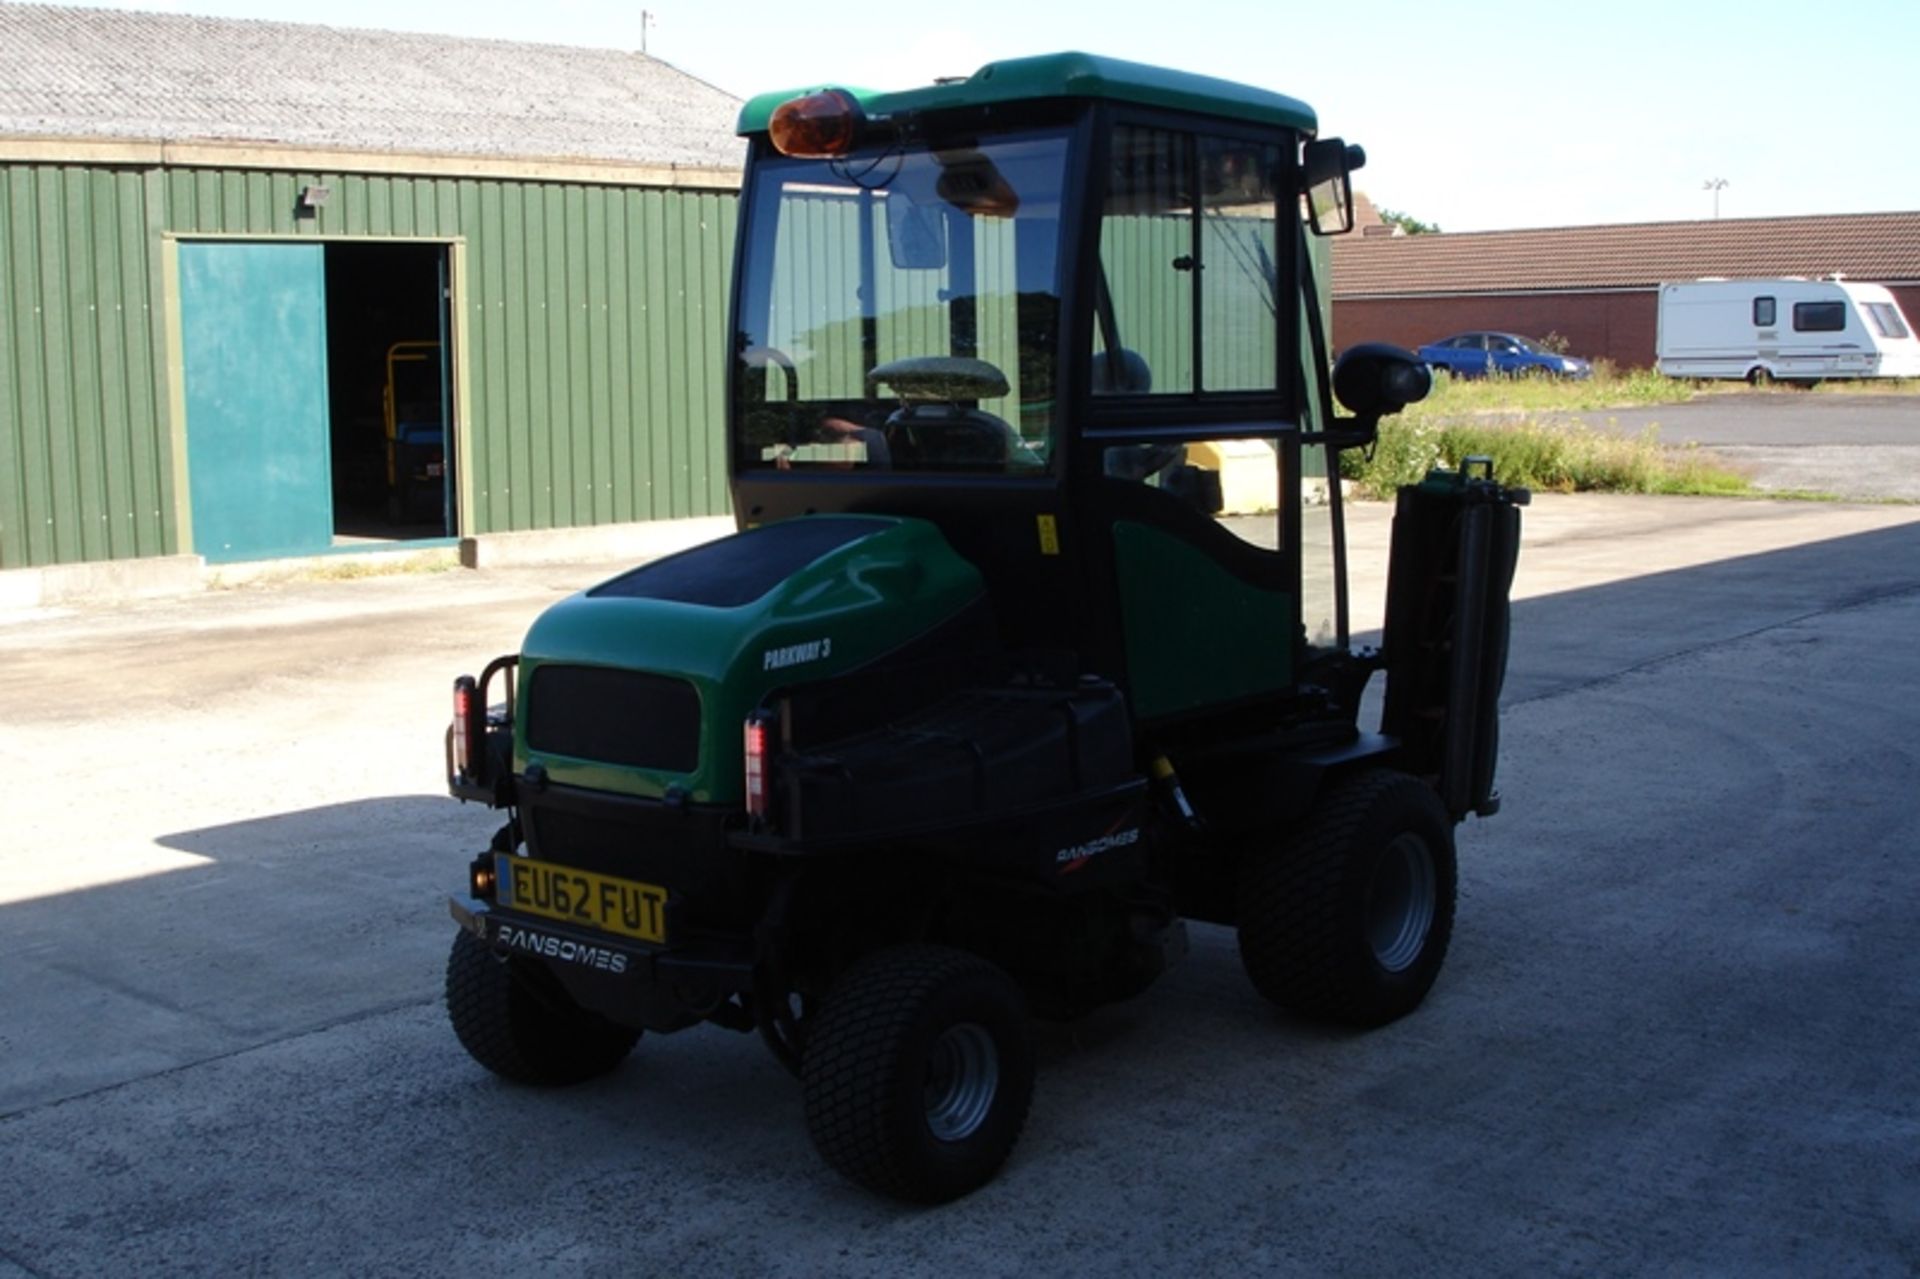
99,73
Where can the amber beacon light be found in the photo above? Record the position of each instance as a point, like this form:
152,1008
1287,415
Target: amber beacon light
817,126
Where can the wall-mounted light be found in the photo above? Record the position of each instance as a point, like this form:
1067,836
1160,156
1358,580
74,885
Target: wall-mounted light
311,200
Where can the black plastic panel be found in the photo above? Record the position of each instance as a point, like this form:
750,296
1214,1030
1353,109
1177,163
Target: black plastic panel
740,569
975,755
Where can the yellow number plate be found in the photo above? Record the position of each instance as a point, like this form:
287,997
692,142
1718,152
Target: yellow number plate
622,906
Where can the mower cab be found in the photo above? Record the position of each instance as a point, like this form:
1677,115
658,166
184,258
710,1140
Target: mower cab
1031,647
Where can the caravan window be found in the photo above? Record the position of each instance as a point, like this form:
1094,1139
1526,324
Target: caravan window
1763,313
1819,317
1886,319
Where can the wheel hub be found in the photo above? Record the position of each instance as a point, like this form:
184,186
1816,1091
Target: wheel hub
963,1075
1400,903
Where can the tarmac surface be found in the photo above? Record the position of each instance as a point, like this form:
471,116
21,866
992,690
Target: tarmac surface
1850,444
1675,1032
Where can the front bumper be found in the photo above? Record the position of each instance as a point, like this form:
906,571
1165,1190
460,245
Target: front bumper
627,982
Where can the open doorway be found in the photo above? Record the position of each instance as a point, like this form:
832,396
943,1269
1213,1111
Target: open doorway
389,383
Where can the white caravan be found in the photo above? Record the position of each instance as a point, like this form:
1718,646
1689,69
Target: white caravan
1789,330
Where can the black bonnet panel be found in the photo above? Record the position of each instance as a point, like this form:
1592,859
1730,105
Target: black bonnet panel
738,570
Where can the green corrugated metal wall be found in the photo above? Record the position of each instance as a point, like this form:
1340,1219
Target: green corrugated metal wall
85,460
593,327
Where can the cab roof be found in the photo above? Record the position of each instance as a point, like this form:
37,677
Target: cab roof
1067,75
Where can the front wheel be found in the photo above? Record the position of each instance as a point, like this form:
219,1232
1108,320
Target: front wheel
1349,921
918,1073
516,1020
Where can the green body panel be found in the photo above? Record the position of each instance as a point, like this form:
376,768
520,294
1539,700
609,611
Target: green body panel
1196,635
1069,75
856,603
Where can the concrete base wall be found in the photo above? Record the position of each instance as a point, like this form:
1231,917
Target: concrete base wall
604,542
24,588
117,580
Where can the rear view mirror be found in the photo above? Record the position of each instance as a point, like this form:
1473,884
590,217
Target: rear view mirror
1326,185
1374,380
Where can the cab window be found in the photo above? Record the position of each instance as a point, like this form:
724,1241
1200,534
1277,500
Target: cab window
1188,298
899,309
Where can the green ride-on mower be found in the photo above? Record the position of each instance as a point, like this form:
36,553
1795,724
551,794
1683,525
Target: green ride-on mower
1032,645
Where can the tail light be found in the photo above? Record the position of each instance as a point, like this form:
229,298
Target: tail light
481,878
467,725
755,755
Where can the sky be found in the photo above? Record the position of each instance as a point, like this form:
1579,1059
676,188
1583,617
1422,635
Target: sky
1476,117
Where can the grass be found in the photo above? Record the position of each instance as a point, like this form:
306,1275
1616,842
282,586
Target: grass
1548,458
1511,420
1526,425
1869,386
361,565
1608,388
353,570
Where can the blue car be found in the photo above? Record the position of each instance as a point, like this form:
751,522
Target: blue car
1478,354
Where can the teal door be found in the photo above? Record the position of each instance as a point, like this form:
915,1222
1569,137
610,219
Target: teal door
253,329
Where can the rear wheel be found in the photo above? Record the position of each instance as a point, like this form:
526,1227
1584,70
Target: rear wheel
1759,375
517,1021
918,1073
1349,921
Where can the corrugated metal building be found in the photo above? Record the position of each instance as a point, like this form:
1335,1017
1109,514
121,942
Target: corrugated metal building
266,289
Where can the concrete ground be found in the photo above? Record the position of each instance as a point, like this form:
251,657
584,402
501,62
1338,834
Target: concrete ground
1675,1033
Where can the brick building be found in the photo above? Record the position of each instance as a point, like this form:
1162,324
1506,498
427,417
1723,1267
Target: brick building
1595,286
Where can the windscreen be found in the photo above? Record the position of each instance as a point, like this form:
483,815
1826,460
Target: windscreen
898,308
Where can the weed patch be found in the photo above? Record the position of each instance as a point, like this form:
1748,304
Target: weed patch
1547,458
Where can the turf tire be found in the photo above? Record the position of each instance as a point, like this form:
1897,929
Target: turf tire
878,1063
517,1021
1310,910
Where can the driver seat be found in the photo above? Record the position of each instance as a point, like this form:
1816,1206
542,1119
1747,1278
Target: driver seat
948,437
1121,372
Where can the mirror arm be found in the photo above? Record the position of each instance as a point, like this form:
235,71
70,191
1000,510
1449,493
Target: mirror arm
1350,433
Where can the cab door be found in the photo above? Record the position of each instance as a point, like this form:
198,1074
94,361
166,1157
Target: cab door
1203,601
1186,453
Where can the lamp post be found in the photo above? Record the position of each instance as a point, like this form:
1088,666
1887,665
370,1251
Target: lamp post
1715,185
